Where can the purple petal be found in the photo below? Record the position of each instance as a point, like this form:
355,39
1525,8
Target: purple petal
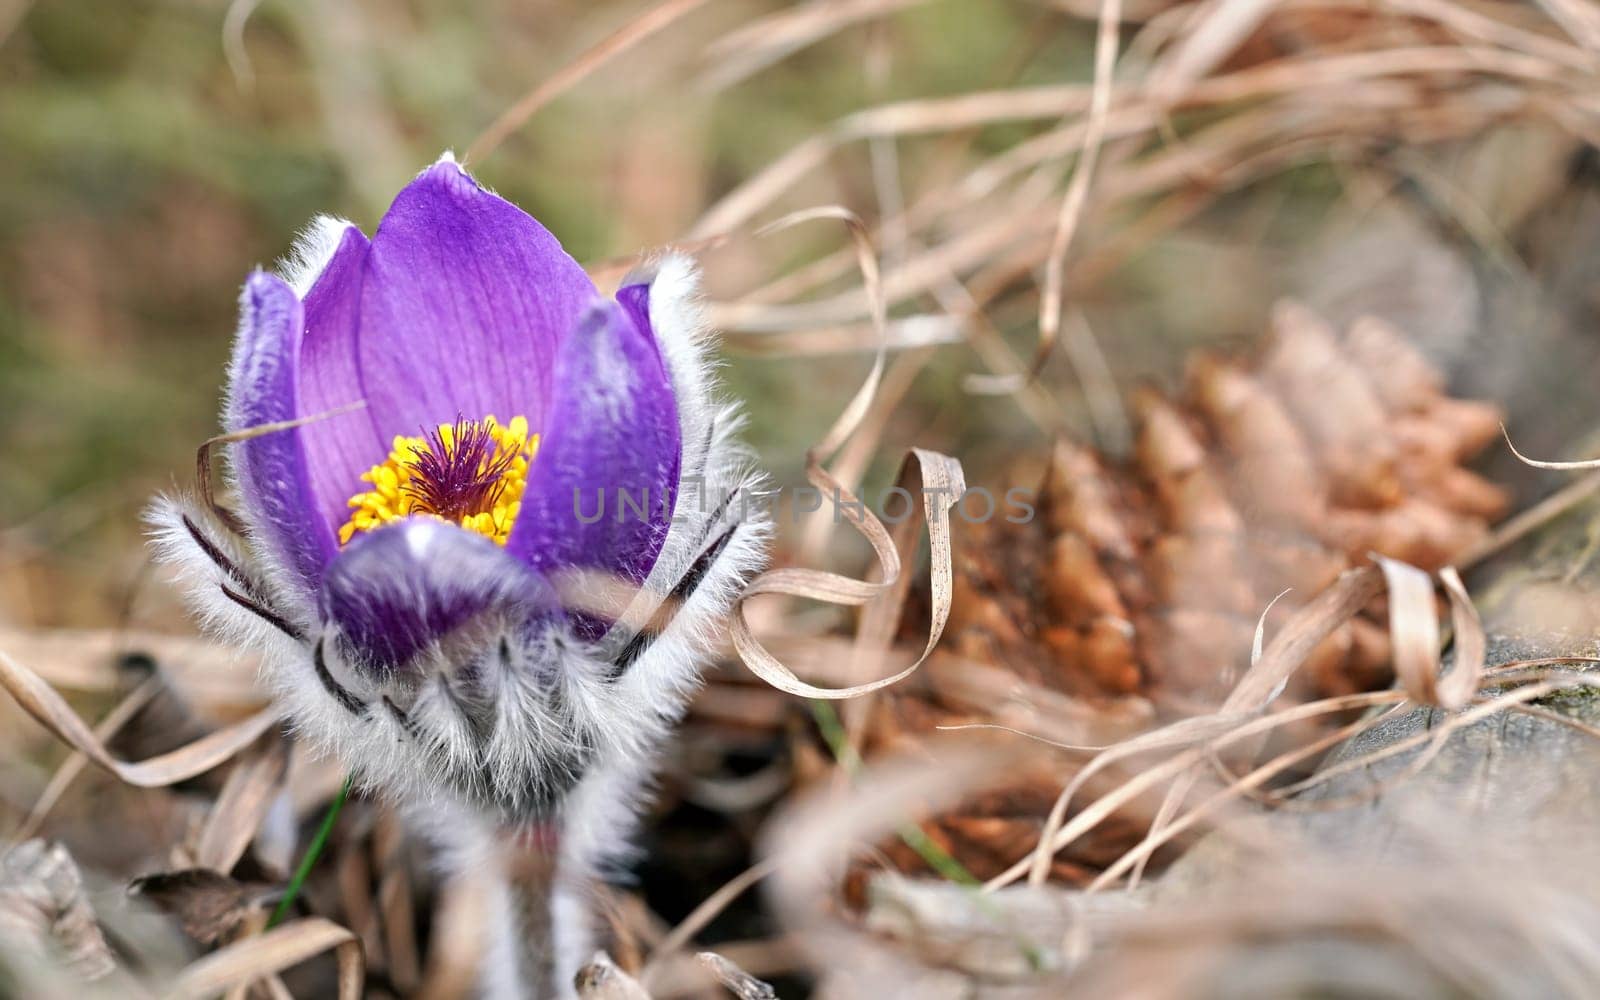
395,592
610,437
635,301
338,449
465,303
274,484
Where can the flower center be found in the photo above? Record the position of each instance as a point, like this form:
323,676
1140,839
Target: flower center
470,473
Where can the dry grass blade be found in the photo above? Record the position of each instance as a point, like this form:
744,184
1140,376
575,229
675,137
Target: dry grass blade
41,701
867,259
1108,413
1471,25
851,462
813,839
1310,625
1235,790
249,792
1432,739
1471,647
1414,636
739,982
1222,26
1588,463
233,47
1184,785
457,940
91,660
1215,732
1520,526
766,40
1055,277
925,115
703,914
202,456
624,38
70,768
939,481
1185,732
281,948
1579,19
904,332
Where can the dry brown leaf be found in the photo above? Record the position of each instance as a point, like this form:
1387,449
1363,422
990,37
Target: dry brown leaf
209,904
70,768
43,906
41,701
281,948
252,786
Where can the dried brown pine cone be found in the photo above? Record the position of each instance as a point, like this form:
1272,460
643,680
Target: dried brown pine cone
1147,577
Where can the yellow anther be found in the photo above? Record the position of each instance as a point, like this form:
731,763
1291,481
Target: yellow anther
472,473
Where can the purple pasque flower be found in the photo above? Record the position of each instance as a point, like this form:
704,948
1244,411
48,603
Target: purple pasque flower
413,565
461,310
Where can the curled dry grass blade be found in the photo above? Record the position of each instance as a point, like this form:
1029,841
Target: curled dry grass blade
1181,788
41,701
937,478
1588,463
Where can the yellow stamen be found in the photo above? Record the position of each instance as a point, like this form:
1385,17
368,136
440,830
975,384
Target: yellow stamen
423,473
